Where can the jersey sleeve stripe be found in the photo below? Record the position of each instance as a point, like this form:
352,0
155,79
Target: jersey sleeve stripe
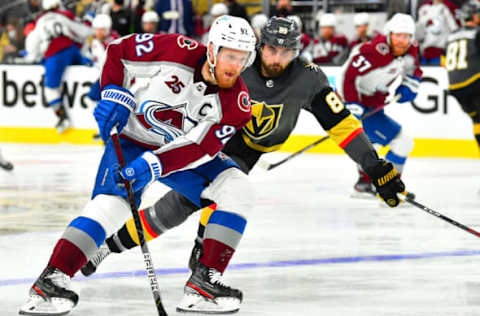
350,137
345,130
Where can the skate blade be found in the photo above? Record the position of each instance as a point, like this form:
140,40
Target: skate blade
64,126
38,306
6,166
363,196
194,303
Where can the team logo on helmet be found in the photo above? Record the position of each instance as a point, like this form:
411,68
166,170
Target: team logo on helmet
264,120
244,102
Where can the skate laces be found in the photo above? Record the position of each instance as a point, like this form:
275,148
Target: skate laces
101,254
60,279
216,277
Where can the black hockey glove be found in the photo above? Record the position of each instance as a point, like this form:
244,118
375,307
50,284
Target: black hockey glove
387,182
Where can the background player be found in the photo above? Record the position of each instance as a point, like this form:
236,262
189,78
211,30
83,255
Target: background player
364,85
103,35
280,85
4,164
188,101
56,38
463,65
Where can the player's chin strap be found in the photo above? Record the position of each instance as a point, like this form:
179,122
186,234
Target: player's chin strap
405,197
211,66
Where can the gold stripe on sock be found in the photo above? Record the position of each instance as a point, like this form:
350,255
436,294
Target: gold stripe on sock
206,213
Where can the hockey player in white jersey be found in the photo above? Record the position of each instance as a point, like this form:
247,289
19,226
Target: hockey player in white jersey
56,39
364,85
97,51
176,103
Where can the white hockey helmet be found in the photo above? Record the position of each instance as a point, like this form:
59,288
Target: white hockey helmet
102,21
259,20
218,9
150,17
400,23
51,4
361,19
231,32
328,19
297,20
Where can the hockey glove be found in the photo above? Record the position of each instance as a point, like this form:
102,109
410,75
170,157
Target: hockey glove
408,89
387,182
113,109
141,172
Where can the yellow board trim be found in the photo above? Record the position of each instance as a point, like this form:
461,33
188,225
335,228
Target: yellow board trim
424,147
465,83
47,136
206,213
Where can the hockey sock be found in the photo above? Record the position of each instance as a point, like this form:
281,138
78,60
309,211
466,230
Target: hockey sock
206,213
82,238
127,237
222,235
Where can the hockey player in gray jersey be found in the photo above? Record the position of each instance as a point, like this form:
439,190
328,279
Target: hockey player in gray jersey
463,65
280,85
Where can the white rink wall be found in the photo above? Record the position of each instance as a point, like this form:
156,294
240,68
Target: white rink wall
434,114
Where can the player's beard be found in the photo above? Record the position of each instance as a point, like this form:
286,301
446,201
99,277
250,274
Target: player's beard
273,70
225,80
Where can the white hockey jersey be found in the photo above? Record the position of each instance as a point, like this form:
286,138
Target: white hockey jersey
370,70
54,31
185,121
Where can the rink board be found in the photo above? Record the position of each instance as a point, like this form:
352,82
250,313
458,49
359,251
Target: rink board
434,119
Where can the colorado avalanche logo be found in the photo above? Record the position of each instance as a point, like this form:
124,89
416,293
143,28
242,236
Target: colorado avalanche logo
163,119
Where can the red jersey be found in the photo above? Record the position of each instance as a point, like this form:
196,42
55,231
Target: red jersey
372,68
185,121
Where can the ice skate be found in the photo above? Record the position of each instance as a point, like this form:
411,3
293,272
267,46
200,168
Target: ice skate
91,266
63,120
50,295
5,165
364,189
206,293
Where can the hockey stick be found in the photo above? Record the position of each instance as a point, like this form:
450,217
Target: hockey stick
440,216
270,166
141,237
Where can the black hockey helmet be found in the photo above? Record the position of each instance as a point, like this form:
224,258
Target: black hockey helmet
468,10
279,31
